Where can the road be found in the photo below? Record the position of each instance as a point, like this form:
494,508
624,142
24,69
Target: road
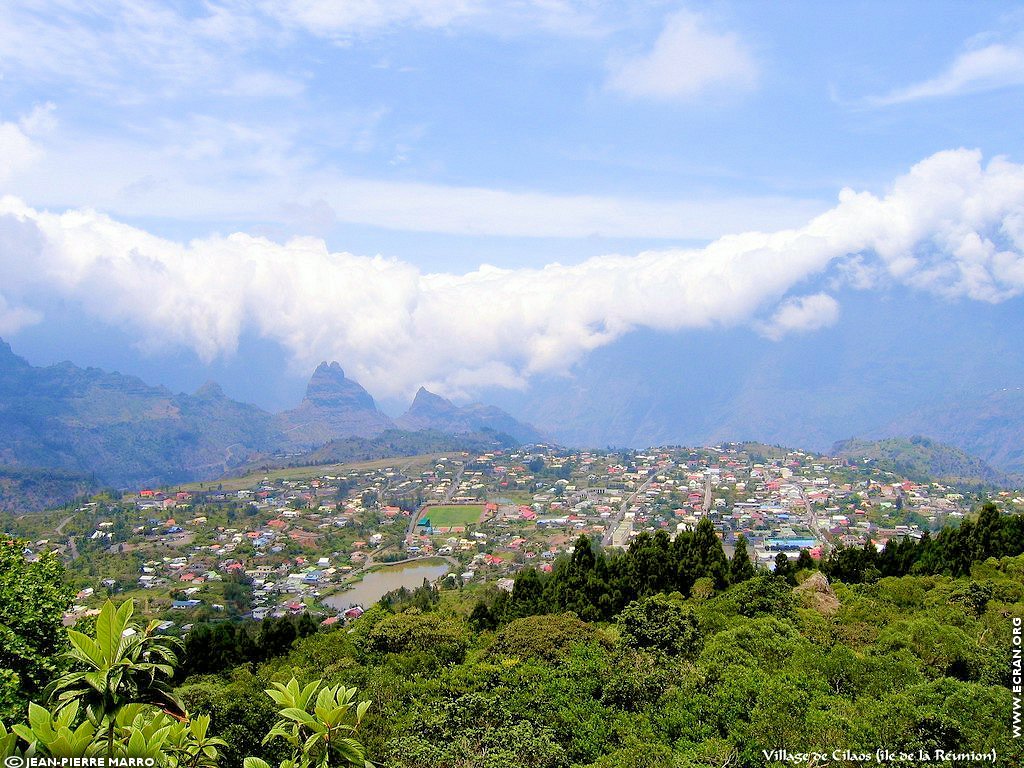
812,522
59,530
606,540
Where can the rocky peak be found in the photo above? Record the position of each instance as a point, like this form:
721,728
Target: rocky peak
426,403
329,388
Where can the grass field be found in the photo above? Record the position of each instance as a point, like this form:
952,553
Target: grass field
411,464
448,515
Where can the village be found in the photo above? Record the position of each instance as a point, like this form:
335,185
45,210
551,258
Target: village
319,539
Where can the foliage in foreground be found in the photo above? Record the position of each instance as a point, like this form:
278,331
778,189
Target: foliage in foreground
117,703
907,663
712,677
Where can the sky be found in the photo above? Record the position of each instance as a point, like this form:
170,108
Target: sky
472,194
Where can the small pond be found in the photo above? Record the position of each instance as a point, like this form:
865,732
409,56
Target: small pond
379,582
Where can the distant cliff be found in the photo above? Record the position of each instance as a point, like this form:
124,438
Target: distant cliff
334,407
433,412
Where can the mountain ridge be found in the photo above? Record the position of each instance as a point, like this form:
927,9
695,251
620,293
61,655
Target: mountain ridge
334,406
430,411
106,428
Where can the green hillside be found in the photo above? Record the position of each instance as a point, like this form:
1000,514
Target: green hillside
923,460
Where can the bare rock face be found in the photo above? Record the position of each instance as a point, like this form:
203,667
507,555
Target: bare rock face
334,407
818,594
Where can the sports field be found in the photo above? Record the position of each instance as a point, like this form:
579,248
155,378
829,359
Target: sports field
448,515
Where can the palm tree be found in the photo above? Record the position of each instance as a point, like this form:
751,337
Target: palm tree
124,664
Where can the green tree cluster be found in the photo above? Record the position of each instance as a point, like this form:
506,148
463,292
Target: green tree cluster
952,551
33,597
597,585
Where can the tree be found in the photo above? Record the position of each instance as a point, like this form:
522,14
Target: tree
783,569
319,722
128,712
805,562
481,618
527,594
740,569
33,598
123,664
305,626
660,622
275,637
710,556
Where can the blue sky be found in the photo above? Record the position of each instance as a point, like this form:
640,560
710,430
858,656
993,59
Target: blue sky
621,140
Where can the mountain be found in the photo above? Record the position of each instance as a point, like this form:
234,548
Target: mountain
897,364
118,428
989,425
433,412
397,442
29,489
922,459
65,430
334,407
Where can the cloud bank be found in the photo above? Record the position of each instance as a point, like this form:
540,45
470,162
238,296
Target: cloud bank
951,226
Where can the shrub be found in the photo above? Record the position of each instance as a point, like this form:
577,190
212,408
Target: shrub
549,637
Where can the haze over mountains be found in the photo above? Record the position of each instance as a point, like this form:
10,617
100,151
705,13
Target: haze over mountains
899,366
856,380
121,431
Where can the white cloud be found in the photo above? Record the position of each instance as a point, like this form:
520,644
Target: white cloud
13,319
687,60
131,51
346,18
228,170
950,226
998,65
18,149
800,315
146,51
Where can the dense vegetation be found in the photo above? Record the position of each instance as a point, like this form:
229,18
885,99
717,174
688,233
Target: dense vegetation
26,489
906,663
597,586
665,655
923,460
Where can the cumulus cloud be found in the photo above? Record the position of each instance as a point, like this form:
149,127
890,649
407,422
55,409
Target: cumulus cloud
801,314
687,59
998,65
951,226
